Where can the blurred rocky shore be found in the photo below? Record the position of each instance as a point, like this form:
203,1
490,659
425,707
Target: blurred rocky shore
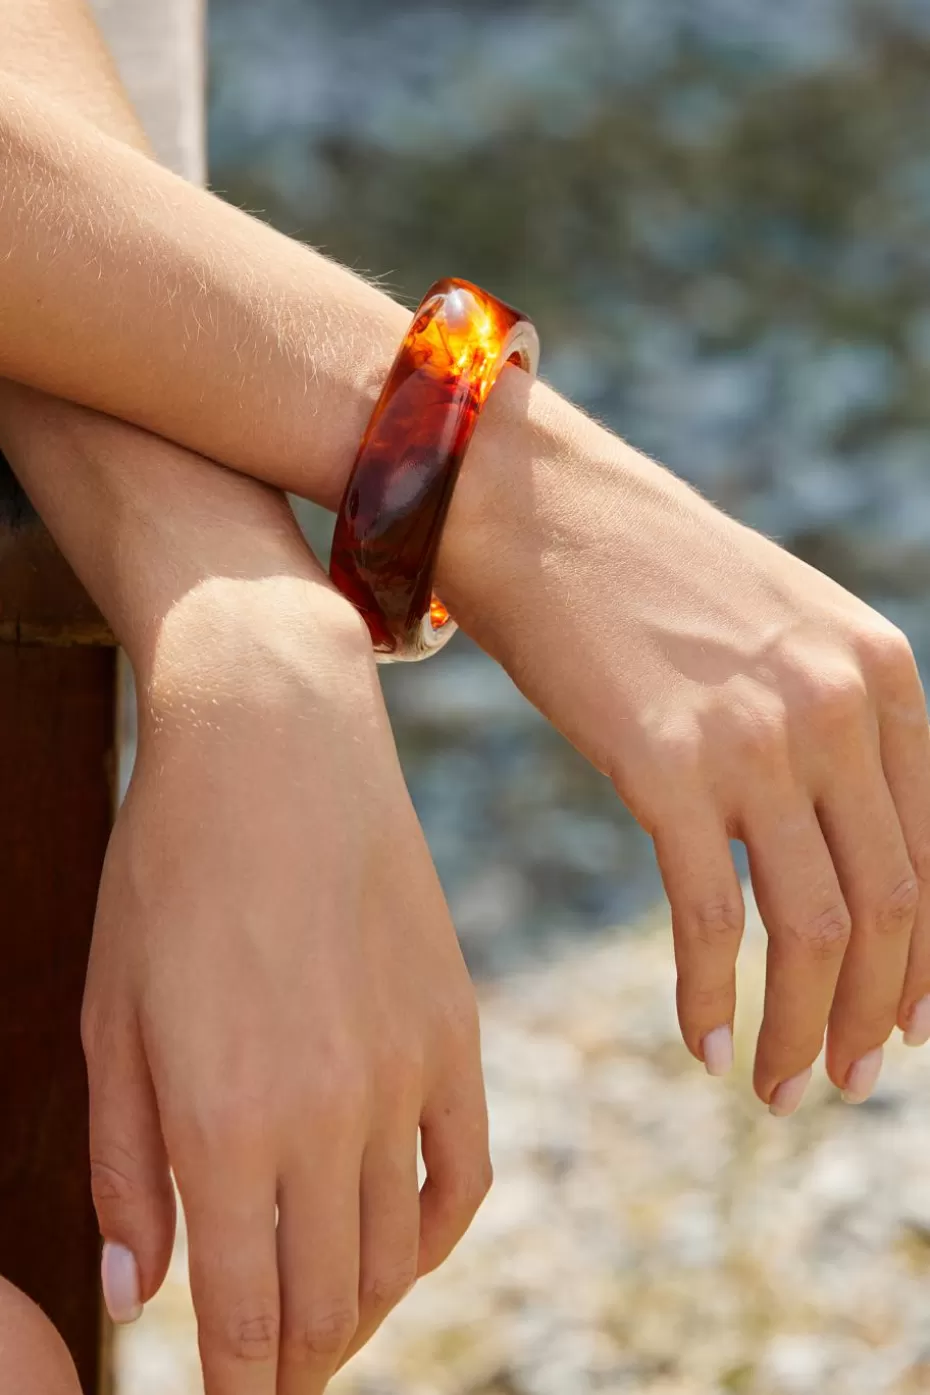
651,1231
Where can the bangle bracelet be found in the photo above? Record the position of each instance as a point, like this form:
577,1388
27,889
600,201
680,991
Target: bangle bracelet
391,518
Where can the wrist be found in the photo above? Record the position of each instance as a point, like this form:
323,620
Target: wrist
511,497
202,573
252,645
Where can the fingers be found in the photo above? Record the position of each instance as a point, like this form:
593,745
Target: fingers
132,1189
390,1206
707,923
864,835
318,1257
229,1202
828,782
905,750
803,908
454,1135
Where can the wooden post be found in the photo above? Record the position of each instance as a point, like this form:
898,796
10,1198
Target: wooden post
58,766
57,732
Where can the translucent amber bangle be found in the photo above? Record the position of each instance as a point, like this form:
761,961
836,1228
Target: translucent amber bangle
395,504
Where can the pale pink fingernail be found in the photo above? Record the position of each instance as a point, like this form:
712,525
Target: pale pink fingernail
121,1287
917,1032
788,1095
717,1048
860,1082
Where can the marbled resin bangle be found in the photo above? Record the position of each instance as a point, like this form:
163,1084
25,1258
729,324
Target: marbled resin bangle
395,504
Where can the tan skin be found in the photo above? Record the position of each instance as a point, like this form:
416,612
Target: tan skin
762,667
728,690
35,1359
276,1003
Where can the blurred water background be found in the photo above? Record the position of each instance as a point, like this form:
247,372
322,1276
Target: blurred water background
718,213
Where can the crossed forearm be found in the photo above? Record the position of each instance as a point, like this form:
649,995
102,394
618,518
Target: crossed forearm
726,688
126,289
267,840
140,520
131,291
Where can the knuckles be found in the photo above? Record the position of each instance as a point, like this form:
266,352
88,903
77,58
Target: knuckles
321,1337
825,934
247,1113
838,695
383,1288
716,922
758,721
887,658
897,911
251,1333
677,749
113,1184
340,1090
830,703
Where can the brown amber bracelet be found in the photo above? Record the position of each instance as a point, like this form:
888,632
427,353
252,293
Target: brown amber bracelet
395,504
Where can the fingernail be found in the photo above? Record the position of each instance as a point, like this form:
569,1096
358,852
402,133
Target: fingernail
788,1095
121,1287
860,1082
917,1032
717,1048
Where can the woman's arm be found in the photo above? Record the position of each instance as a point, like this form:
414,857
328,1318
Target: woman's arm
276,1000
127,289
727,689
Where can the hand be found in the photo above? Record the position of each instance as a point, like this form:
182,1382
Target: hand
729,691
276,1000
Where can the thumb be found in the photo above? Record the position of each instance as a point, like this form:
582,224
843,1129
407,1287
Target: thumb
133,1193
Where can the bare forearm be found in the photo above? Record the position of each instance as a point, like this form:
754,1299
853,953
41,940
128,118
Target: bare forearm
56,48
147,525
142,521
132,291
155,302
129,290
